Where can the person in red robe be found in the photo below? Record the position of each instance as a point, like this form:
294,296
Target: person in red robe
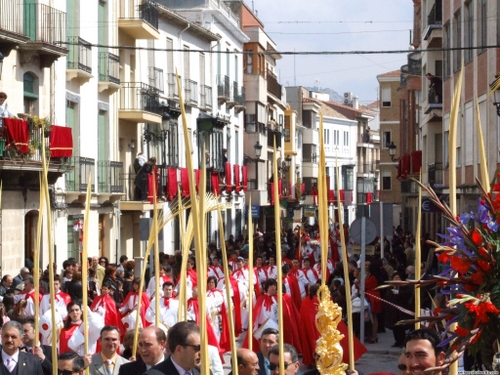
218,314
105,306
129,305
292,286
308,313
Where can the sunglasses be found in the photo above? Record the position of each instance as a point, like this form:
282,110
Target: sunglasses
273,367
196,348
65,372
402,367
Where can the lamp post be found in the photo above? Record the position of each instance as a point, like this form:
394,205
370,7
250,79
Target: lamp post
493,85
1,64
392,151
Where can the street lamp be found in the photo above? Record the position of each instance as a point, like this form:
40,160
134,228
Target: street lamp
258,150
392,151
288,162
493,86
1,64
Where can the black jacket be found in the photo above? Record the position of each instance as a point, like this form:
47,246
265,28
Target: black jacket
167,368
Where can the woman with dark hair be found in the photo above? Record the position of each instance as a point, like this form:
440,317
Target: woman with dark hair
104,262
373,296
110,279
74,287
71,337
217,313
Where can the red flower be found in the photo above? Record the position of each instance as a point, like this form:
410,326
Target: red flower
461,331
459,264
470,287
486,266
483,252
444,257
476,237
477,278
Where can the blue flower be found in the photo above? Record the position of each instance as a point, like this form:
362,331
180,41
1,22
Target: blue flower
465,218
492,224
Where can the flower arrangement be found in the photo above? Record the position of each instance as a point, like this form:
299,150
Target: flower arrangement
39,122
470,261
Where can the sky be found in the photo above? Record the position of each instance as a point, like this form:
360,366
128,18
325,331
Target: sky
337,25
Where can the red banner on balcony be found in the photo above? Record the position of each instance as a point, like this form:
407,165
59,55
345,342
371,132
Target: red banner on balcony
236,178
244,172
184,182
17,135
229,180
342,195
271,193
405,166
61,142
369,198
215,183
303,188
331,196
152,181
172,184
416,162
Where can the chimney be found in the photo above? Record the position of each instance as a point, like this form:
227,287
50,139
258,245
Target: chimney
355,102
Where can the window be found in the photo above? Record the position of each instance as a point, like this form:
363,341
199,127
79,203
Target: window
446,150
446,52
326,136
457,41
73,237
249,62
386,180
459,156
386,97
469,31
346,138
336,137
482,24
73,120
170,56
172,143
469,139
187,63
386,139
348,177
30,88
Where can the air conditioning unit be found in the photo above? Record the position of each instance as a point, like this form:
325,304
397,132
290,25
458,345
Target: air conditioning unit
347,97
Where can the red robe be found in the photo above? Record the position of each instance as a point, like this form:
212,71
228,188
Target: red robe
111,317
295,290
370,284
308,313
64,337
237,306
144,306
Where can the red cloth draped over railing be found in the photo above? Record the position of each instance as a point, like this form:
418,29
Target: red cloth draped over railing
405,165
303,188
61,142
342,195
416,162
152,181
331,196
369,198
184,182
17,134
229,181
314,193
215,183
244,172
172,184
236,178
271,194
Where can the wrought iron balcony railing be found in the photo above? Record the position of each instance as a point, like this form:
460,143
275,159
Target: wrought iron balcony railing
223,88
77,179
173,91
43,23
191,91
109,68
80,54
11,16
108,176
139,96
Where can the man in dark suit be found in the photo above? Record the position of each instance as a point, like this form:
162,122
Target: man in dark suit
42,352
184,345
268,339
151,349
14,361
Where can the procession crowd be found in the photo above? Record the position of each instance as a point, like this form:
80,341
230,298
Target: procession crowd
113,294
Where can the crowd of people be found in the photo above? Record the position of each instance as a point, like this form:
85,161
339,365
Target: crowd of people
113,295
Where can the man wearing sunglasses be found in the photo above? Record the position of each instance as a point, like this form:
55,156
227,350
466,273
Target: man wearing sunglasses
290,358
70,363
183,342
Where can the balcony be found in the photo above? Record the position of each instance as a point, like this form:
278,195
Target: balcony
273,87
11,26
109,183
139,103
109,72
139,22
223,89
436,175
206,97
232,98
46,28
239,98
190,92
310,137
434,104
310,166
367,168
156,78
434,30
79,61
173,90
77,179
128,203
